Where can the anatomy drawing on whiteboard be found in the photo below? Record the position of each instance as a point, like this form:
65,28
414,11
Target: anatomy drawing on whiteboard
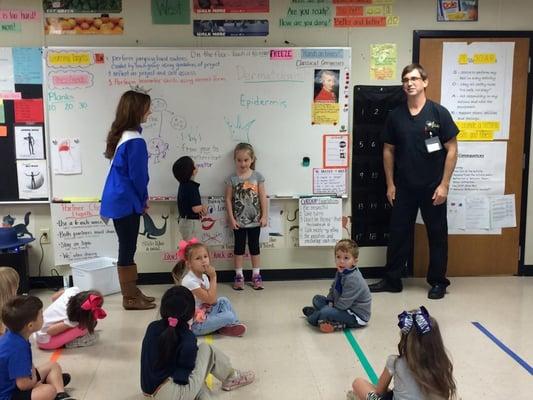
157,149
160,121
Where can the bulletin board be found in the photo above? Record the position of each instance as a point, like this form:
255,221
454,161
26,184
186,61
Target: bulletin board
22,133
204,102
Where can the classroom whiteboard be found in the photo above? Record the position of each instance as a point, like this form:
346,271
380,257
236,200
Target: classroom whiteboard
204,102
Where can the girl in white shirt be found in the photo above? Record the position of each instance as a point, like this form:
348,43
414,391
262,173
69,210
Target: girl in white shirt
70,320
213,314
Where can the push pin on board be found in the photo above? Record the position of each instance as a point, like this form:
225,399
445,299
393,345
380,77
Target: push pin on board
306,162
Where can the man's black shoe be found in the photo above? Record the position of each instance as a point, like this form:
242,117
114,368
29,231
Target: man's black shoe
307,311
385,286
437,292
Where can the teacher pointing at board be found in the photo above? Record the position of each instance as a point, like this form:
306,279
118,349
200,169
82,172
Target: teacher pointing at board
125,193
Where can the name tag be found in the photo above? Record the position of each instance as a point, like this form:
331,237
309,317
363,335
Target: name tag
433,144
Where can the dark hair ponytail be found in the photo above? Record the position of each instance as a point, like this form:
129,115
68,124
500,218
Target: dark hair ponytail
178,303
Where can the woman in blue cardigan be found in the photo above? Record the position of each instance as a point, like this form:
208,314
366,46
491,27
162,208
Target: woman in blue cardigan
125,195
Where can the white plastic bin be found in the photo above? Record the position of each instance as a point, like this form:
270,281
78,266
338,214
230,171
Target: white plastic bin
97,274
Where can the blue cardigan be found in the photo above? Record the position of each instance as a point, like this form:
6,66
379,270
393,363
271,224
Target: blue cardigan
126,187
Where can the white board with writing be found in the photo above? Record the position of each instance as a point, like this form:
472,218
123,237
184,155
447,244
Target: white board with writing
320,221
204,102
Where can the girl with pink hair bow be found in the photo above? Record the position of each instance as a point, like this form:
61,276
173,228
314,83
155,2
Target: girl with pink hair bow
70,320
195,272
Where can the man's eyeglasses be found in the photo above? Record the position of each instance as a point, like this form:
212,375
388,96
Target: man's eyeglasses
413,79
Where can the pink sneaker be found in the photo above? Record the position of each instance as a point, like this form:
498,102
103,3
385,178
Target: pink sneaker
238,283
257,282
233,330
238,379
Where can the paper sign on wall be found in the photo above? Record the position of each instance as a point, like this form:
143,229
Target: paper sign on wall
29,142
66,156
335,151
80,233
32,179
320,221
329,181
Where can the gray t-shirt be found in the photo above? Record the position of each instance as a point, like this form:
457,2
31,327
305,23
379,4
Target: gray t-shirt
405,385
245,200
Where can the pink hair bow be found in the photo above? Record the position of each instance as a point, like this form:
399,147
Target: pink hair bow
172,322
183,246
94,304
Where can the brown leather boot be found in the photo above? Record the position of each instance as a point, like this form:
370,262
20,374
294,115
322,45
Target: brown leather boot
131,300
145,297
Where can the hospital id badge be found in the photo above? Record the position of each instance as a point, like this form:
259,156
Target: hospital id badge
433,144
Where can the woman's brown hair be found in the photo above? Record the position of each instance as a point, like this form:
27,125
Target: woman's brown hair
428,361
131,109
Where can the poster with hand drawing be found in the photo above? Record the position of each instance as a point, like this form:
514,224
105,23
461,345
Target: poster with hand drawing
29,142
66,156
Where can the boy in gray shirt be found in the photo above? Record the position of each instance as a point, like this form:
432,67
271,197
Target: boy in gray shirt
348,303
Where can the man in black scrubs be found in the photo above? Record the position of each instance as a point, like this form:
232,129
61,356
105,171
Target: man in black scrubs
419,156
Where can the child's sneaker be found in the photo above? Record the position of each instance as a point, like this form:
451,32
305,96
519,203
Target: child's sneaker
238,379
308,311
238,283
64,396
66,378
257,282
330,326
83,341
233,330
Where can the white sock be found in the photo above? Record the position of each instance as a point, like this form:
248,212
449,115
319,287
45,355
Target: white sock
256,271
238,271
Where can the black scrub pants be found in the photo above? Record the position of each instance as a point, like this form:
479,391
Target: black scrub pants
408,201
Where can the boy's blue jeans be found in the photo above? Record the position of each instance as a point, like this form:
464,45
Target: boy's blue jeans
220,315
323,312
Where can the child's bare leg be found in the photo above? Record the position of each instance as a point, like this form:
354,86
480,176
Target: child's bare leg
256,261
42,391
361,388
238,261
52,374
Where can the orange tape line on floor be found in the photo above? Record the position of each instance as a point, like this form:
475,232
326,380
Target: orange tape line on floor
55,355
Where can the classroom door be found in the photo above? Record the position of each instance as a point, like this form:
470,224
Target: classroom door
476,255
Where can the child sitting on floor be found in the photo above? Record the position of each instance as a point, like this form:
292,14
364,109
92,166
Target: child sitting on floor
212,314
173,365
348,302
421,370
19,378
70,320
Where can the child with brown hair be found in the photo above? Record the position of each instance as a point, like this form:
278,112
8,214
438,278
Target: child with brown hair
247,209
348,303
421,370
213,314
9,283
19,378
70,320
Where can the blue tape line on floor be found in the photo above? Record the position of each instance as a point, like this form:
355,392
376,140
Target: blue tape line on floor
506,349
